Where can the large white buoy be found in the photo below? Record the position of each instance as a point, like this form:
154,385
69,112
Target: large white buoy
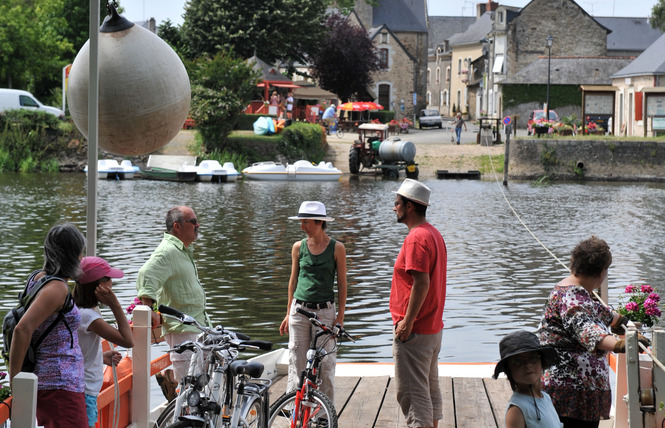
144,91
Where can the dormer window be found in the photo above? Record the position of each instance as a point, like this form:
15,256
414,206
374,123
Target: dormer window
384,37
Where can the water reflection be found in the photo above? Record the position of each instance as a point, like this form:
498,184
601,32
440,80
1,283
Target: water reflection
498,275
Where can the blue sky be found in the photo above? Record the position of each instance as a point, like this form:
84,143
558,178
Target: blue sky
141,10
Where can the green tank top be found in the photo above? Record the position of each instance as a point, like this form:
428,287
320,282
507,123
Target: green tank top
316,275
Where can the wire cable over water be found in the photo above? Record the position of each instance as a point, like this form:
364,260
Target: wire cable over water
597,296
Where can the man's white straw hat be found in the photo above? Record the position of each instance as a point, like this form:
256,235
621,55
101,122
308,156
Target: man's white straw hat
312,210
415,191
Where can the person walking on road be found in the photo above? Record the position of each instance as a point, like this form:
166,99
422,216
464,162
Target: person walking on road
459,122
417,298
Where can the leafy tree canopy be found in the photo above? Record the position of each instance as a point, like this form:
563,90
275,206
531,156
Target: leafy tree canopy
273,29
657,18
172,35
31,47
76,16
222,86
345,59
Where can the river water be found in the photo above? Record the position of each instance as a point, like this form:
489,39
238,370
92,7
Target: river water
499,275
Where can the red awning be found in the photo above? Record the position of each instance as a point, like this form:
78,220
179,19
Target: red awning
278,84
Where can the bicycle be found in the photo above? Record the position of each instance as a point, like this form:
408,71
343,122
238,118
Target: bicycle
218,390
335,129
307,407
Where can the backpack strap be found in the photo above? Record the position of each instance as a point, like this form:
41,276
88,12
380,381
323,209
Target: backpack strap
67,306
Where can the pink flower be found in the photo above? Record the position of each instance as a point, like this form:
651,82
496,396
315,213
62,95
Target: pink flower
646,288
655,297
632,307
653,311
630,288
650,303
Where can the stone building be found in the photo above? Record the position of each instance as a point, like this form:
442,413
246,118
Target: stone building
399,31
439,66
640,105
469,50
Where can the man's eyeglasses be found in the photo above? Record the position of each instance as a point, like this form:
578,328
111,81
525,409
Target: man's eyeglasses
194,221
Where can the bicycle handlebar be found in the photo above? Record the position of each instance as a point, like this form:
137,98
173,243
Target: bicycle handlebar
187,319
336,330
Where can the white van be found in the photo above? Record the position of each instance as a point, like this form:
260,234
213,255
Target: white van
15,99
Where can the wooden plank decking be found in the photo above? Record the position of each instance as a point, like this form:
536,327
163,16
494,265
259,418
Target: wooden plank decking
369,402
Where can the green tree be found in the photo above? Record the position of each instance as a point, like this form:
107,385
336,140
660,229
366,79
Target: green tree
345,59
657,18
273,29
172,35
222,86
31,47
76,14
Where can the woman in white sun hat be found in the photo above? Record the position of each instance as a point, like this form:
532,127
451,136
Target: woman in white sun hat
314,262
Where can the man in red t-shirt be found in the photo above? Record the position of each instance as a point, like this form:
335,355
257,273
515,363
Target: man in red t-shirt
417,298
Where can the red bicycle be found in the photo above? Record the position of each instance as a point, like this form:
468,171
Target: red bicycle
307,407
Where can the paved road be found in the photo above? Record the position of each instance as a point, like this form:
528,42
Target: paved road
436,135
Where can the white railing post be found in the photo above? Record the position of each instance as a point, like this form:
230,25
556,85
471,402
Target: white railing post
141,320
24,400
633,378
658,346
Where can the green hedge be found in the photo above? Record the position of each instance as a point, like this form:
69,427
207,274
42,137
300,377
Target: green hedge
560,95
383,115
298,141
303,141
246,122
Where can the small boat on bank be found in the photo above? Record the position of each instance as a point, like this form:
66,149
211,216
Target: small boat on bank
165,174
301,170
110,169
211,170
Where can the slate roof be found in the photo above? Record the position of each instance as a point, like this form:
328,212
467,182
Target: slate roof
629,34
268,72
650,62
442,28
476,31
569,71
401,15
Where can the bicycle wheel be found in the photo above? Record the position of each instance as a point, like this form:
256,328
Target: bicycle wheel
166,417
322,412
339,133
252,414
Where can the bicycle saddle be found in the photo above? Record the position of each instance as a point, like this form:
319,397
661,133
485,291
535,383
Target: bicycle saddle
251,368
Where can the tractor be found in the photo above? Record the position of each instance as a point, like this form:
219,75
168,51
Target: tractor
373,150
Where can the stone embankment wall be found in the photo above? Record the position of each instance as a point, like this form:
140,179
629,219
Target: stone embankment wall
599,160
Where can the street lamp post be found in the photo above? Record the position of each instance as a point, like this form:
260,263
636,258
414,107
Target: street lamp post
550,39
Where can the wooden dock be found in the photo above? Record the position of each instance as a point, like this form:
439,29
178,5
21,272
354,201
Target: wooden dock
369,401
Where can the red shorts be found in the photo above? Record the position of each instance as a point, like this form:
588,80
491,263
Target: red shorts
59,408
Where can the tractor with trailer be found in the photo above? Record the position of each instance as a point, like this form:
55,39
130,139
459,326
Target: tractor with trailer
374,151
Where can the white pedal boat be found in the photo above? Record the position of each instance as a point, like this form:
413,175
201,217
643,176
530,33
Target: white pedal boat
301,170
110,169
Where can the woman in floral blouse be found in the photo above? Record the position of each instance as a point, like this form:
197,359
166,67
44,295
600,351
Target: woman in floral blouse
577,326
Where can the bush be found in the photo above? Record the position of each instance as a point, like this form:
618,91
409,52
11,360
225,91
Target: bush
302,141
246,122
254,148
383,116
222,86
29,140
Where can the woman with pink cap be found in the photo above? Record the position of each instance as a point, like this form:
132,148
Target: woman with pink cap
92,288
315,261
